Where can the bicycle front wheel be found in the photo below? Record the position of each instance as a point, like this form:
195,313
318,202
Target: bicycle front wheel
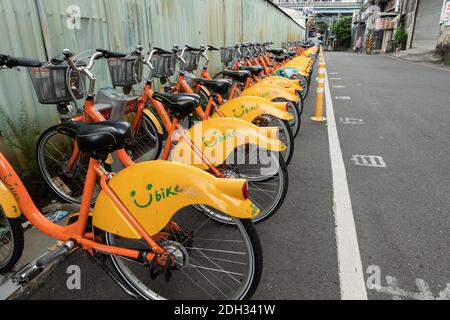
293,109
267,176
11,241
217,261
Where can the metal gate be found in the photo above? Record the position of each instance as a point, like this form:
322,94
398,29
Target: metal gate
426,31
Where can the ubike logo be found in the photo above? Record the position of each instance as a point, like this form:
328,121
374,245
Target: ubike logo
154,195
254,209
244,110
216,137
12,186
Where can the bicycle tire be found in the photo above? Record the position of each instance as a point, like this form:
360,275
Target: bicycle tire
264,214
246,228
16,231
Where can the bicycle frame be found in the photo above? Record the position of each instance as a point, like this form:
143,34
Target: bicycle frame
91,114
171,127
77,230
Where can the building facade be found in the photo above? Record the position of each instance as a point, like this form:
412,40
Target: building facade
426,23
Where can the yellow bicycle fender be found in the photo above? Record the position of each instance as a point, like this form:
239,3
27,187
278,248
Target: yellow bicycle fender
285,83
271,91
249,108
8,202
153,191
280,105
217,138
154,120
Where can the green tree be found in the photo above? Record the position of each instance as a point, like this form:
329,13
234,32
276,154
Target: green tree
322,26
342,29
400,38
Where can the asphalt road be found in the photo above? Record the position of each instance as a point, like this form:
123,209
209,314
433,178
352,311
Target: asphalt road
400,210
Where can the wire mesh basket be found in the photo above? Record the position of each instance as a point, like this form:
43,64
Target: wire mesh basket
227,54
192,60
51,83
125,72
163,65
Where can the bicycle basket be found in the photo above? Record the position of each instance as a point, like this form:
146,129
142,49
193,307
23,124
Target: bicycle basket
125,72
163,65
226,54
50,84
284,45
192,59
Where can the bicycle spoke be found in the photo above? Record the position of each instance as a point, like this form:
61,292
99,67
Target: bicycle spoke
198,285
230,274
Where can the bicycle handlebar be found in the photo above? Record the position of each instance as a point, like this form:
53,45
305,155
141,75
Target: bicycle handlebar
162,51
11,62
193,49
110,54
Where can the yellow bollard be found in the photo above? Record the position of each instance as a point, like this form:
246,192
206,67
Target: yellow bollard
320,93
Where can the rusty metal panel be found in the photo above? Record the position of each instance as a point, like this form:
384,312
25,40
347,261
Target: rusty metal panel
91,33
194,22
127,24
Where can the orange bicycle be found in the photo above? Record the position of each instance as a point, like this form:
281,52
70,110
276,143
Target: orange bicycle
228,148
252,156
212,104
159,248
59,160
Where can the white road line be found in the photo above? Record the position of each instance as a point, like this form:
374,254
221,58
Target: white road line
351,276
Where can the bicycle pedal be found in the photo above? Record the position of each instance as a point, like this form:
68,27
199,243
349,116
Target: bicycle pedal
33,269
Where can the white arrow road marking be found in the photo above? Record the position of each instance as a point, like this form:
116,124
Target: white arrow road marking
342,98
351,121
351,276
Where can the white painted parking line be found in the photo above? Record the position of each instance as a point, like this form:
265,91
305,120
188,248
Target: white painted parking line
351,121
334,73
335,78
342,98
351,276
338,87
369,161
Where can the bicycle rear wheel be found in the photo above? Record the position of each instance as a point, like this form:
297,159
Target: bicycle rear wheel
11,241
293,109
267,177
217,261
53,153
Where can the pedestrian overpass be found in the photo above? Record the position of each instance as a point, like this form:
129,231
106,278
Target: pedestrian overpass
325,8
